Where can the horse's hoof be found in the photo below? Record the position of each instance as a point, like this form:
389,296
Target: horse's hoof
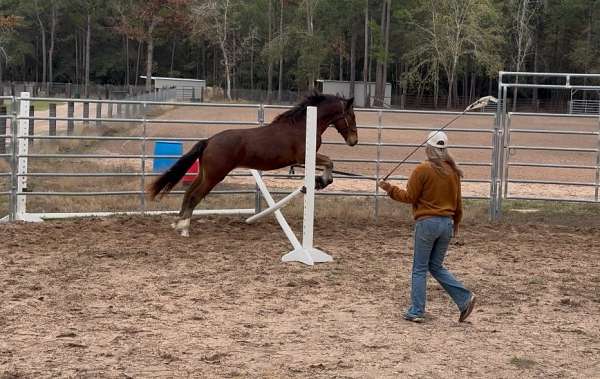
174,225
185,233
320,183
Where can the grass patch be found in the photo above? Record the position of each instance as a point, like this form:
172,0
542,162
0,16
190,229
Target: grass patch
536,281
38,105
551,212
523,363
5,184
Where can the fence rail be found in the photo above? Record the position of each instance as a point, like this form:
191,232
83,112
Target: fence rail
21,134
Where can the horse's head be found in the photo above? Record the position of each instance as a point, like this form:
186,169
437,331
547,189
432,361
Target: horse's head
344,121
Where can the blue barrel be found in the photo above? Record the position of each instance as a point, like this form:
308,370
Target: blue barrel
169,148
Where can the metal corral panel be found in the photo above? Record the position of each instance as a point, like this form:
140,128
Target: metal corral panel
342,88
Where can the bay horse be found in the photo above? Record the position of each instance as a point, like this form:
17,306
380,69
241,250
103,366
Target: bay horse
277,145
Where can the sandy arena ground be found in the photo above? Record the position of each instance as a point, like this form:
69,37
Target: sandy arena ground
127,298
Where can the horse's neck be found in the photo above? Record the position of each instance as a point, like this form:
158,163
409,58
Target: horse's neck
323,124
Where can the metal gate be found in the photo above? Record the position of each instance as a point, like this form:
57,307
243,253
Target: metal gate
505,146
498,135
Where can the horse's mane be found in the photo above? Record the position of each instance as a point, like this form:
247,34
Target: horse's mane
298,113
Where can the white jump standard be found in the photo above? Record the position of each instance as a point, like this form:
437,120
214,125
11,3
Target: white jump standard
303,252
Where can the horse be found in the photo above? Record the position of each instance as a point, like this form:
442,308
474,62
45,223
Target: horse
276,145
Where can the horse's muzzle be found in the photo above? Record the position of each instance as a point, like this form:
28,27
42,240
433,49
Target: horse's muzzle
352,140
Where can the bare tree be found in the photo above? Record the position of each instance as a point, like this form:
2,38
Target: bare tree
7,25
310,30
382,54
53,20
212,20
269,47
523,31
88,36
38,16
366,57
281,37
453,29
353,40
142,19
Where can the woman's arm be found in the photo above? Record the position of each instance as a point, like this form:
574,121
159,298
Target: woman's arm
458,213
411,195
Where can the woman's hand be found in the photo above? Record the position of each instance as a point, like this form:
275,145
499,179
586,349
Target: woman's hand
384,185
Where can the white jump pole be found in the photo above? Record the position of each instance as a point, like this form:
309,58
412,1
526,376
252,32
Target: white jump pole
280,204
278,215
304,252
308,254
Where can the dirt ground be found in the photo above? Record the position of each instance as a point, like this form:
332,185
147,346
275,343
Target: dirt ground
127,298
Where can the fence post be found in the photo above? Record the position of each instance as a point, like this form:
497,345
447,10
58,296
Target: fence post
14,179
505,156
52,123
379,126
119,110
501,148
494,169
70,115
109,111
257,195
86,114
31,123
3,129
498,155
21,154
144,148
98,114
597,190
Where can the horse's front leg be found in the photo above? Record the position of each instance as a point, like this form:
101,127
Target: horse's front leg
327,177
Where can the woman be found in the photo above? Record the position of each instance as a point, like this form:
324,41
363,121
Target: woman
433,189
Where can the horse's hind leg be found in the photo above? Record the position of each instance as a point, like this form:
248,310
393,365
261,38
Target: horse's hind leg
194,194
183,224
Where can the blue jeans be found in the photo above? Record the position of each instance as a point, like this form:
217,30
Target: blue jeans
432,237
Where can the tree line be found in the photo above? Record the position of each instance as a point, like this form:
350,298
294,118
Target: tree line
441,49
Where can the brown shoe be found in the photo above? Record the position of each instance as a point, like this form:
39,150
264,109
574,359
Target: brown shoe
464,314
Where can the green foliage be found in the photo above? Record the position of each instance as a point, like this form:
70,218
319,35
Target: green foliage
423,48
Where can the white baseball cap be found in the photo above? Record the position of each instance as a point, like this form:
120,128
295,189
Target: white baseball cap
438,139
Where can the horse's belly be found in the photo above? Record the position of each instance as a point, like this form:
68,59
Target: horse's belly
270,149
268,163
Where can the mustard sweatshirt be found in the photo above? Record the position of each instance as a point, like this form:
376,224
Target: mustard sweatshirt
431,193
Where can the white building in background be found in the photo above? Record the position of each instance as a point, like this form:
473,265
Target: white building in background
342,88
186,88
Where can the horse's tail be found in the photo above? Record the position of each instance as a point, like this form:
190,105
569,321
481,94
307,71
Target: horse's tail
165,183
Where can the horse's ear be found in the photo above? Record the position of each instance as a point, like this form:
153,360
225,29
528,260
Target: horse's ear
349,103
